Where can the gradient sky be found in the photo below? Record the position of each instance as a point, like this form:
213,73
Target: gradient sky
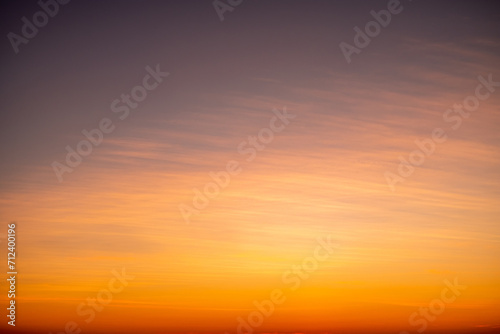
322,175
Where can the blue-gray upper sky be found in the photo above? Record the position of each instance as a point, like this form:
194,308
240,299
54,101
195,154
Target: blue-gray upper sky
325,172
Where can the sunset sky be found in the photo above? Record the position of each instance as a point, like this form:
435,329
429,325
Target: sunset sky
322,175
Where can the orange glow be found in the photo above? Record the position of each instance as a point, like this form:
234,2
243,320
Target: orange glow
321,175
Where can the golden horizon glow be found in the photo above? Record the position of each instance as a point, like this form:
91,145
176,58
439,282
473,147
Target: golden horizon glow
322,175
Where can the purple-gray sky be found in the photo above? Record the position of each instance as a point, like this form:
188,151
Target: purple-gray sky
324,173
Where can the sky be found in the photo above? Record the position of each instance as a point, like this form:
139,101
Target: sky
243,173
